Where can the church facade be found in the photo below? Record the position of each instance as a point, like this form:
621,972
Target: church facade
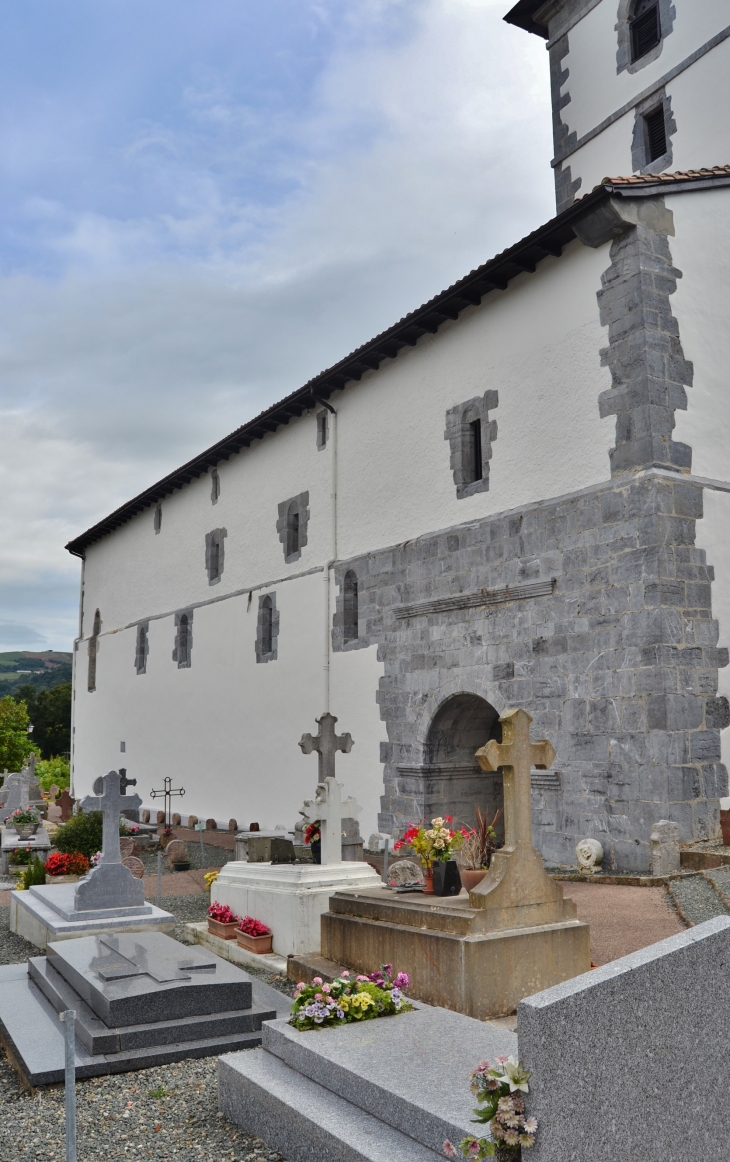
518,495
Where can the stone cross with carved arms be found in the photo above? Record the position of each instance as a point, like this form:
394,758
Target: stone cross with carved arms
328,807
516,755
326,743
111,801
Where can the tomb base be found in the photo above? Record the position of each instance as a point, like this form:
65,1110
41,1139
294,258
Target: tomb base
289,898
32,917
451,962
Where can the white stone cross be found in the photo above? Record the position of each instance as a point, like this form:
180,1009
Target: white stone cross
326,743
112,802
329,810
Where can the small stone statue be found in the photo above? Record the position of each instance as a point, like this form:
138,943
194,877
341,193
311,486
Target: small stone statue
589,854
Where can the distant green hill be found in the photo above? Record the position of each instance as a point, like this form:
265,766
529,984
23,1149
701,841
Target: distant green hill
42,670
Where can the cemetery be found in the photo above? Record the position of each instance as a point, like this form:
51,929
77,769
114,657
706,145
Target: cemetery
315,1049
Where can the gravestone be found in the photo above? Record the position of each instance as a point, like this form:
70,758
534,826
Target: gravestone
329,809
514,934
135,865
176,852
66,802
110,884
405,874
140,1000
20,791
326,743
664,843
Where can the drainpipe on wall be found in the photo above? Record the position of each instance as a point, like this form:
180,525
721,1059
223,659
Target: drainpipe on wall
333,551
74,672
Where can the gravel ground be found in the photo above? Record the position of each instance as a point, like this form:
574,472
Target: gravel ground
168,1112
212,857
697,899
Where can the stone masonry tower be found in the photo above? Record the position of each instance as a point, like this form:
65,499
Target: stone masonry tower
638,86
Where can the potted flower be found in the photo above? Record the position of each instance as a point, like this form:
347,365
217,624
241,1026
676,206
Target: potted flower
254,935
25,821
435,846
222,921
313,836
498,1088
475,856
63,868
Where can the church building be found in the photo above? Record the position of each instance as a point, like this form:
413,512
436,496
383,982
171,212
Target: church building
516,496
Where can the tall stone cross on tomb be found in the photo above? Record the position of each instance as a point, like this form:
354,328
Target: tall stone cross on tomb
326,743
517,890
328,807
110,798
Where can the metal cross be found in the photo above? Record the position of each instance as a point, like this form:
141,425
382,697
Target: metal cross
168,792
111,802
326,743
516,755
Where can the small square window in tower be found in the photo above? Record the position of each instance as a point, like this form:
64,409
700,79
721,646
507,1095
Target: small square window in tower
645,28
351,613
655,130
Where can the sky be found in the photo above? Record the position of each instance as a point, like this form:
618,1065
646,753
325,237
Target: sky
206,202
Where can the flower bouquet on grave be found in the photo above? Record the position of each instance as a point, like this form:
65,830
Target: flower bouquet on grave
62,867
25,821
433,845
319,1005
254,935
313,837
222,921
498,1088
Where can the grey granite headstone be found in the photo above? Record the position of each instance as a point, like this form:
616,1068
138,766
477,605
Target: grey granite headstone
20,791
631,1060
110,885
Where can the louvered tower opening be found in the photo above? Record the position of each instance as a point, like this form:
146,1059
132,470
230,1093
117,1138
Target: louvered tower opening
656,133
645,32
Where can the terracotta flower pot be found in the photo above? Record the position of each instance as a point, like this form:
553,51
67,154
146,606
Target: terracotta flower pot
257,944
470,877
225,931
428,881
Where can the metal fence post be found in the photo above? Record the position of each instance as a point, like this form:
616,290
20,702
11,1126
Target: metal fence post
159,879
69,1022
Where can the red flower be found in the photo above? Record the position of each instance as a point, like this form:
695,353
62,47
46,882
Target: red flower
448,818
222,913
253,927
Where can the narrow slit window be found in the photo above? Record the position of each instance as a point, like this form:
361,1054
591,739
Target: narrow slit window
215,486
93,650
321,429
475,439
158,518
292,530
656,134
645,30
215,560
267,626
142,648
351,611
183,642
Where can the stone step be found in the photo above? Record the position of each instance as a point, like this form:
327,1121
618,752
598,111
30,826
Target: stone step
306,965
410,911
389,1069
303,1121
97,1037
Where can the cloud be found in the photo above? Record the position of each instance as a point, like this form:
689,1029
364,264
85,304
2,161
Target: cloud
416,146
14,636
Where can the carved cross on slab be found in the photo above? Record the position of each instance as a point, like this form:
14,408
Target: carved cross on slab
329,808
326,743
120,960
112,801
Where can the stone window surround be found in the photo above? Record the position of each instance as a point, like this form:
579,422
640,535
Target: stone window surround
339,643
640,146
142,647
212,539
92,651
667,16
183,663
458,433
272,654
301,502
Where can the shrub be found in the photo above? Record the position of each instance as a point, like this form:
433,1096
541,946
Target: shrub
15,742
54,770
20,856
35,873
83,833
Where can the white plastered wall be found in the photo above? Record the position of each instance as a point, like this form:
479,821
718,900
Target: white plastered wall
701,250
227,728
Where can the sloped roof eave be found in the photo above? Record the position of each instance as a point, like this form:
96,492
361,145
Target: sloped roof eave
495,274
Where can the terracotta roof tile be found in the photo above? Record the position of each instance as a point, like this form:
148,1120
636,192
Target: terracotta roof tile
667,178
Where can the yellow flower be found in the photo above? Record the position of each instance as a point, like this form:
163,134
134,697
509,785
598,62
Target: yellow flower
210,878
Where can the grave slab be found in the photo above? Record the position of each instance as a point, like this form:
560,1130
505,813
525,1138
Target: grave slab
31,997
631,1061
33,919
